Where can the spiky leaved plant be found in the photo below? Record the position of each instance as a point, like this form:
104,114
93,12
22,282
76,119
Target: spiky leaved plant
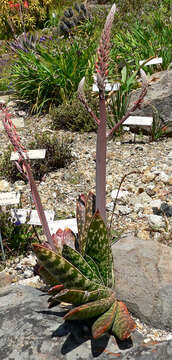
80,271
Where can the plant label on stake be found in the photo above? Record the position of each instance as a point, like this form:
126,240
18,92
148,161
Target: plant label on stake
31,154
63,224
151,62
20,215
9,198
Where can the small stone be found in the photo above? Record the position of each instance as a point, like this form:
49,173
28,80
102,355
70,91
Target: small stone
162,177
156,221
28,274
156,203
5,279
5,186
124,210
122,195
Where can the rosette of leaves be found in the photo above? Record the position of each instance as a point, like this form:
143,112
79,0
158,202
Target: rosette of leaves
72,18
80,272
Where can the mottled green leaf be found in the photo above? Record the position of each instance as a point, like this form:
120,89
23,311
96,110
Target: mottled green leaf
47,277
78,297
90,310
123,324
76,259
104,322
94,266
62,270
99,249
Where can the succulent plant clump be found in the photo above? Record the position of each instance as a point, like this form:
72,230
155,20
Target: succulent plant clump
80,272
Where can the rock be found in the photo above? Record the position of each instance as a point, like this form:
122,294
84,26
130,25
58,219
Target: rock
28,274
144,279
159,95
29,330
5,279
5,186
122,195
124,210
156,221
142,199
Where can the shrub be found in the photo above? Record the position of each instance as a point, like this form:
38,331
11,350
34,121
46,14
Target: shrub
148,35
17,240
30,15
52,74
58,155
72,116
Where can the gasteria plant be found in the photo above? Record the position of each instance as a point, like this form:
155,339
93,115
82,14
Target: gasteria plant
80,270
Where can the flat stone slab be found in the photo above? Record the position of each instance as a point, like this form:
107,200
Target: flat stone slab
31,331
31,154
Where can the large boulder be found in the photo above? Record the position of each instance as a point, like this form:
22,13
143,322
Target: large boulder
29,331
143,273
159,95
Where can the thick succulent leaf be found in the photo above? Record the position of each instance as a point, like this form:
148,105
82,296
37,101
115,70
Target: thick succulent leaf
62,270
89,210
104,322
78,297
62,237
94,266
76,259
90,310
47,277
123,324
55,289
99,249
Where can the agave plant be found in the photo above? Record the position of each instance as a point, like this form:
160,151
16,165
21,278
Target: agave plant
80,271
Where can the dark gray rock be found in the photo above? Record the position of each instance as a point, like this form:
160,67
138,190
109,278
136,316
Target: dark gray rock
30,331
159,95
143,273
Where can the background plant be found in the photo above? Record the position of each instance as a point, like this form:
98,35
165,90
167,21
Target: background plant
73,117
47,76
149,35
58,155
17,239
13,21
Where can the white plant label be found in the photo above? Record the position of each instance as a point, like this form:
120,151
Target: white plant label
18,122
108,87
63,224
9,198
141,121
32,154
21,215
152,61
